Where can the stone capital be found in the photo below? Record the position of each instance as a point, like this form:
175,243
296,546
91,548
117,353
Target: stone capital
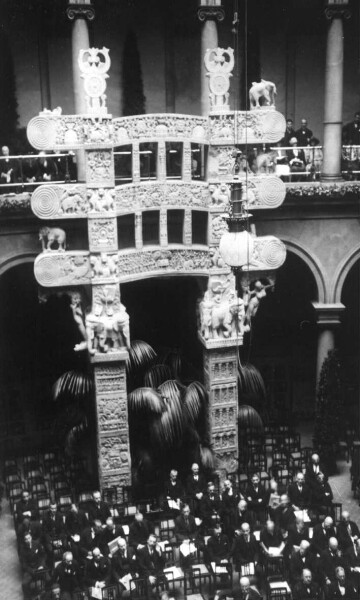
328,315
205,13
337,12
80,11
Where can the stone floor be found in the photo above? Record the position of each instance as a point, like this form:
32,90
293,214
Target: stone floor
10,580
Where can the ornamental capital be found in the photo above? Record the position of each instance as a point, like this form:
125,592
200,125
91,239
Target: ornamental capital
206,13
80,11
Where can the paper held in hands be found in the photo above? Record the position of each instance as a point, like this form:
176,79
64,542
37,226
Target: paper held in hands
126,581
248,569
218,569
96,593
173,505
187,548
274,551
173,573
302,514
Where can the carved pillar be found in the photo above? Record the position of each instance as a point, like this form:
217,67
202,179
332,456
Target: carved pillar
328,320
161,161
79,14
208,13
220,375
163,227
188,227
334,93
138,231
135,162
112,418
187,161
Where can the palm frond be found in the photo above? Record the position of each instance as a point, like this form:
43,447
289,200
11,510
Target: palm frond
249,418
172,358
141,355
145,400
171,390
156,375
73,436
207,458
250,381
167,429
72,385
195,399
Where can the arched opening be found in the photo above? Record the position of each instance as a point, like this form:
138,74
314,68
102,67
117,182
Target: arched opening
283,342
349,343
36,346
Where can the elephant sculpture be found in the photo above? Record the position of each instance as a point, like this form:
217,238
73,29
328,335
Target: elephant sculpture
265,90
51,235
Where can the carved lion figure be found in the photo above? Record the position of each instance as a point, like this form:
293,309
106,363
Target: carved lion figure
50,235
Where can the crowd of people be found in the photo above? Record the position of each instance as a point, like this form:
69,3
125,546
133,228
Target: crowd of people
256,530
33,169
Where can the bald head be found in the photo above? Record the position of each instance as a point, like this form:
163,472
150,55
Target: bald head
333,544
304,545
244,583
328,523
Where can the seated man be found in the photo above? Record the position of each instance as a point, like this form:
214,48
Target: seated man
296,157
210,506
218,546
300,560
322,495
313,469
330,559
246,592
27,526
54,537
352,561
110,533
243,515
284,514
97,570
297,532
98,509
151,561
306,588
32,559
256,497
195,488
299,493
347,531
26,507
90,539
245,548
173,490
8,167
322,534
75,523
271,539
123,562
67,576
342,587
139,531
185,526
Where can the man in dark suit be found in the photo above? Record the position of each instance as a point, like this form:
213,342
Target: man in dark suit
185,525
313,469
32,559
303,134
351,131
173,490
90,539
26,507
321,535
243,515
284,513
299,493
302,559
347,531
68,576
150,559
75,523
229,502
289,132
295,157
330,559
53,528
97,570
245,592
306,589
322,495
218,547
341,587
352,560
139,531
123,561
210,506
98,509
195,488
256,497
110,533
297,532
245,548
27,526
270,537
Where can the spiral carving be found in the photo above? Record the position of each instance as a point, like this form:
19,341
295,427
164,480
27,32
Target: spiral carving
41,133
45,201
271,252
272,192
274,125
48,270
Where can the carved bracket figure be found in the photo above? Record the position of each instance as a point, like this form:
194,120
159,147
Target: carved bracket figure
52,235
265,90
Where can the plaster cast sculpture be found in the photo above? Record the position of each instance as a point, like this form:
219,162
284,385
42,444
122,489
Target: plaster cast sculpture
256,295
265,90
50,235
265,162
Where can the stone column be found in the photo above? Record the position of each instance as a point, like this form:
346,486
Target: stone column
334,93
208,15
79,14
220,377
328,320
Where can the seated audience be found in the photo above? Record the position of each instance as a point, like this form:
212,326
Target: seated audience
243,515
75,523
274,497
90,539
321,535
98,509
26,507
306,588
68,577
297,532
302,559
27,526
270,537
218,547
330,559
150,559
210,506
123,562
284,514
347,531
173,489
54,537
245,548
256,496
229,503
245,592
97,570
296,157
32,559
46,169
341,587
110,532
322,495
195,488
313,469
185,525
139,531
352,560
299,493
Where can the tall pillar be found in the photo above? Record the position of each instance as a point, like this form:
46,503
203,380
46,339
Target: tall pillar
79,14
209,12
328,320
334,91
